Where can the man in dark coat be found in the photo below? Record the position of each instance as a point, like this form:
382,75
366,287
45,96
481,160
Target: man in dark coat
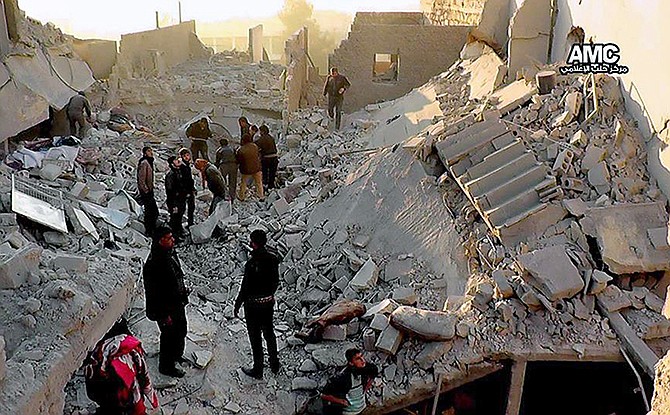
334,87
269,159
249,159
76,108
166,298
145,185
199,133
215,183
188,183
260,282
175,195
227,164
345,392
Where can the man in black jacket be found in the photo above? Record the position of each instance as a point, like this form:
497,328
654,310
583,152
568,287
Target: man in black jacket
334,87
345,392
269,159
226,161
175,195
215,183
166,297
188,183
261,279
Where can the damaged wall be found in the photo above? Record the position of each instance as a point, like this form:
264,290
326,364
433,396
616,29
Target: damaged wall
455,12
256,43
302,79
172,45
640,30
100,55
440,47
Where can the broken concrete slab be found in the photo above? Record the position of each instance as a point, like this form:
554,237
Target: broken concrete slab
551,271
335,332
72,263
389,340
379,322
512,96
622,234
503,287
613,299
576,207
592,157
659,237
405,296
599,177
599,281
280,206
395,269
386,306
366,277
425,324
431,353
369,339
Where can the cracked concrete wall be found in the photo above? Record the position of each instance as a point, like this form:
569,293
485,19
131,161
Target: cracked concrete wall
424,51
455,12
100,55
529,34
640,29
256,43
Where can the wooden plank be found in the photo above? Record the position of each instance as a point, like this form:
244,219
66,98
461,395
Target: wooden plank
516,387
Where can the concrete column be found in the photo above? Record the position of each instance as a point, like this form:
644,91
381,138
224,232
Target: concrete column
516,387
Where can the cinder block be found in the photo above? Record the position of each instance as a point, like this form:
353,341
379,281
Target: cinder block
71,263
335,332
369,340
379,322
389,341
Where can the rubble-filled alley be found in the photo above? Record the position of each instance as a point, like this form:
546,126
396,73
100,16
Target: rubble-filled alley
496,228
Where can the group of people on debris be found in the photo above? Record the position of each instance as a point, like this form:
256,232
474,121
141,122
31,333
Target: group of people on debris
255,160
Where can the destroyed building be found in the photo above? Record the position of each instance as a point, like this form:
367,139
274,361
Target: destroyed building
504,226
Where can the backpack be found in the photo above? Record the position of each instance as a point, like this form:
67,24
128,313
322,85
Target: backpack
101,387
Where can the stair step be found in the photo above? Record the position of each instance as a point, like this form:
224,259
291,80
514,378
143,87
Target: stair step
502,174
509,190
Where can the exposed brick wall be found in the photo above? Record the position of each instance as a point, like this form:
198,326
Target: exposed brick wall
456,12
424,50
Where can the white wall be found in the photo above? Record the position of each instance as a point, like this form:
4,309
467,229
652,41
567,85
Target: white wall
641,29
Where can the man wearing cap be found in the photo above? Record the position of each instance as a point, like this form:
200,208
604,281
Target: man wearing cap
260,282
166,297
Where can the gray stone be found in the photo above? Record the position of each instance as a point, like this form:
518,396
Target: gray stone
8,219
599,281
379,322
280,206
72,263
395,269
551,271
329,356
322,282
405,296
308,366
340,237
599,177
613,299
314,296
431,353
366,277
503,287
369,340
202,358
3,359
659,237
361,241
55,238
592,156
576,207
232,407
389,340
16,269
341,283
425,324
462,329
317,239
386,306
303,383
335,332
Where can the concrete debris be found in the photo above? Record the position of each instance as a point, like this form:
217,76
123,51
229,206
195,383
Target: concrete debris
599,281
613,299
366,277
425,324
405,296
552,272
389,340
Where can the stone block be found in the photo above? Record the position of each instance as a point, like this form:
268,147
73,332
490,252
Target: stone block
599,177
503,287
366,277
55,238
389,340
15,269
369,340
308,366
70,263
592,156
379,322
613,299
455,302
576,207
659,237
280,206
316,239
395,269
425,324
551,271
341,284
405,296
335,332
386,306
599,281
323,282
79,190
431,353
361,241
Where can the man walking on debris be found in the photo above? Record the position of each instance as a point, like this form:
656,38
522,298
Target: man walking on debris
260,282
215,182
188,183
226,161
249,158
345,393
199,132
116,374
175,196
75,113
269,160
334,87
166,297
145,185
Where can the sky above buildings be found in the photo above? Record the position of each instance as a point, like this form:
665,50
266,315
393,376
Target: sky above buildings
108,20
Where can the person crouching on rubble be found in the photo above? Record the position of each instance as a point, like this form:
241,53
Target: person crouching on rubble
116,374
344,394
214,180
166,297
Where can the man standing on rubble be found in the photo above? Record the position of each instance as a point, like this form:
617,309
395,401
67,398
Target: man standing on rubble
269,160
75,113
260,282
226,161
145,185
334,87
166,297
175,196
249,159
345,393
215,183
188,183
199,133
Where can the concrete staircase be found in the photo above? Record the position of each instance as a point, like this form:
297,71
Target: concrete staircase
500,176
